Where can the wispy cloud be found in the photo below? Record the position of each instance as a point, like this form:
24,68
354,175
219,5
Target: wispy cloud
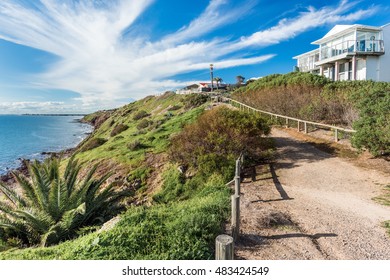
97,60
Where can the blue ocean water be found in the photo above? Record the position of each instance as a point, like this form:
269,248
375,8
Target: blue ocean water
27,137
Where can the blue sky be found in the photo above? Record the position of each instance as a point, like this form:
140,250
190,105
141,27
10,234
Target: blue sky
81,56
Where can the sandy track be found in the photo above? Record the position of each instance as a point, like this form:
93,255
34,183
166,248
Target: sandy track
328,199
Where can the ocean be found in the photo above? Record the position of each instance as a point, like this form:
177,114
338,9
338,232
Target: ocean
27,136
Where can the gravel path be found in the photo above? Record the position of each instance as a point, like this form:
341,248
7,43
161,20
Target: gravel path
328,200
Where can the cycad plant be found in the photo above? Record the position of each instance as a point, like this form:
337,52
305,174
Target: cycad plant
51,207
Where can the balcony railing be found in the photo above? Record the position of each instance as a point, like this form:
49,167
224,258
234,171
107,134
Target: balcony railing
362,46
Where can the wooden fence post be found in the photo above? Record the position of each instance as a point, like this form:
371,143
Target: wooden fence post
224,247
336,135
237,187
287,122
235,216
299,126
305,127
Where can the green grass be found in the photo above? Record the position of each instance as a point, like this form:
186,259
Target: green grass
178,230
154,138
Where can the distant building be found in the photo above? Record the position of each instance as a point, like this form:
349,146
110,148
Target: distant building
200,88
350,52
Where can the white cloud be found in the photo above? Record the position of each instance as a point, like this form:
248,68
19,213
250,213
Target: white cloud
289,28
95,60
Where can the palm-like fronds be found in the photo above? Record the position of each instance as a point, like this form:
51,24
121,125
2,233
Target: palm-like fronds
51,207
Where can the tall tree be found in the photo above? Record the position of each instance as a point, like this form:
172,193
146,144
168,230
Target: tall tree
218,80
240,79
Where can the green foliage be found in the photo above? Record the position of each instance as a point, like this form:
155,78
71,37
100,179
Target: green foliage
182,230
136,145
217,138
175,108
140,115
373,126
118,129
143,124
51,206
194,100
93,143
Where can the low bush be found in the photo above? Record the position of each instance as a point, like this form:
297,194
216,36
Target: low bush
93,143
140,115
118,129
143,124
216,139
194,100
174,108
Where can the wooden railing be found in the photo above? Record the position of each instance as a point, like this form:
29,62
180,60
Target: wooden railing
224,244
287,119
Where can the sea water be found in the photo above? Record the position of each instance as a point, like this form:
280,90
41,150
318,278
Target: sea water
27,136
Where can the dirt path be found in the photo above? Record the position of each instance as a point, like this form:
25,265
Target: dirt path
322,206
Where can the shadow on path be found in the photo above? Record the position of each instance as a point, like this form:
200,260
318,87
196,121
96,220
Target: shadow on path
278,185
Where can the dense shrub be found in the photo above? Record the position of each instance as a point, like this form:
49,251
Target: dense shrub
373,126
218,137
194,100
118,129
93,143
140,115
143,124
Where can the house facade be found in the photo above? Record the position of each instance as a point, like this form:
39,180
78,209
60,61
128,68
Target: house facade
350,52
200,88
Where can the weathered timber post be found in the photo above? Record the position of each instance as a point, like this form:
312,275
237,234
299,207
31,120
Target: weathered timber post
237,187
299,126
287,122
305,127
336,135
224,247
235,216
238,168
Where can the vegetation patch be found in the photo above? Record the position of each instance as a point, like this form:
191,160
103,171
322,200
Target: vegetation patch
363,105
118,129
194,100
93,143
140,115
175,231
52,207
216,140
274,219
144,124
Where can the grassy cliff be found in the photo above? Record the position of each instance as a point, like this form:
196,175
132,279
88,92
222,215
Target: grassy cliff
132,142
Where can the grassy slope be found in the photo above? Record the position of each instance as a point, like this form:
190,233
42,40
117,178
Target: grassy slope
179,230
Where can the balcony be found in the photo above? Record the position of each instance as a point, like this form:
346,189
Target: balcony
341,50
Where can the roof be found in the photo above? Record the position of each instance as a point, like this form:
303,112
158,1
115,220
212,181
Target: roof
340,30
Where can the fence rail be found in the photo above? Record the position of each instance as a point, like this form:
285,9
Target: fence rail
305,123
224,244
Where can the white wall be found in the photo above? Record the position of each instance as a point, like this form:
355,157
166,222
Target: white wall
384,60
372,63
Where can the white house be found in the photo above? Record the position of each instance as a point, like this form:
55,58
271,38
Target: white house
200,88
350,52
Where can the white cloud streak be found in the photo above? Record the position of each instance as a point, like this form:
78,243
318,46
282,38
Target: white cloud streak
95,60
